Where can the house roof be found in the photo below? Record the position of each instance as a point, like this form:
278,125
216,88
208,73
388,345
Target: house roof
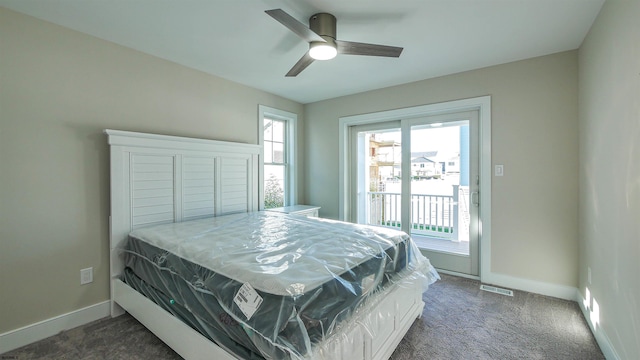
421,159
424,154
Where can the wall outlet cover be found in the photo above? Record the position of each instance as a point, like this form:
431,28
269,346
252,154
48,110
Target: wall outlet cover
86,276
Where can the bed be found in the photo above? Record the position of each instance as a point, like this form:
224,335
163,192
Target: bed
194,260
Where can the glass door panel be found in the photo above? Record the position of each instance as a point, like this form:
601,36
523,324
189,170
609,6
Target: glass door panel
443,177
417,175
440,186
377,155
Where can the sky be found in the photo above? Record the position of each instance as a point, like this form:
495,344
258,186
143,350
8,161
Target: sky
445,139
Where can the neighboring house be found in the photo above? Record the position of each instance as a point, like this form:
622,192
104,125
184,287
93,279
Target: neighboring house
385,160
452,164
439,163
424,168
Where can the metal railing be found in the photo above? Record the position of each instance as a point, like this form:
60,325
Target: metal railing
431,215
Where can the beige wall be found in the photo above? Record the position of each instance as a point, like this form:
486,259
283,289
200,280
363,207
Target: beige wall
534,134
58,90
610,173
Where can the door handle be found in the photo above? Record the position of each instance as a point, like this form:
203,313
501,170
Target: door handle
475,198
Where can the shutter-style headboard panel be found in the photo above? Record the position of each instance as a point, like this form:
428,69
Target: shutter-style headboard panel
199,187
152,189
158,179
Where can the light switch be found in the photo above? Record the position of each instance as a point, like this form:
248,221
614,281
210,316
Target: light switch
499,170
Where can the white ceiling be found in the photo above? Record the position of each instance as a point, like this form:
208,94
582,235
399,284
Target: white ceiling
236,40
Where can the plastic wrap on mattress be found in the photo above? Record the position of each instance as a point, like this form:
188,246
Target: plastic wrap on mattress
276,284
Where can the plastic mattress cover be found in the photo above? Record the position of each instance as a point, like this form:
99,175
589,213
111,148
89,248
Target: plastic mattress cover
269,254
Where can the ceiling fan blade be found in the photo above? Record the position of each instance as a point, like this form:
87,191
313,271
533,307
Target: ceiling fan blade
294,25
302,64
356,48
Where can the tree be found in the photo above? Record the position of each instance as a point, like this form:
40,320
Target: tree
273,193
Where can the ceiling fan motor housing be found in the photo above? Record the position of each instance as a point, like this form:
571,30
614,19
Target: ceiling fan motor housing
324,25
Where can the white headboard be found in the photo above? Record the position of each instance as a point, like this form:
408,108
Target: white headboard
158,179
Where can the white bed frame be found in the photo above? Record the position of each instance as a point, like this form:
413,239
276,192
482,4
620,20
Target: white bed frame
159,179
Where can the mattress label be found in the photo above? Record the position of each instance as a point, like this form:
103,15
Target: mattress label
247,300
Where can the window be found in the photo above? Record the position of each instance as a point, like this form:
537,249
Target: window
275,166
277,173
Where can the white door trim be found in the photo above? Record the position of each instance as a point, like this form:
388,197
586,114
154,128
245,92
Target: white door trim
483,105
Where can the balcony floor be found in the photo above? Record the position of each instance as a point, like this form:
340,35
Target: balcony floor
441,245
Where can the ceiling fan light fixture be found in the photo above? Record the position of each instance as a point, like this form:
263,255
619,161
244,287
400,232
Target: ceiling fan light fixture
322,50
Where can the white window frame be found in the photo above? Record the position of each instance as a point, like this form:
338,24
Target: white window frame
291,183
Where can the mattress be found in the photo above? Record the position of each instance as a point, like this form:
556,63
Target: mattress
267,285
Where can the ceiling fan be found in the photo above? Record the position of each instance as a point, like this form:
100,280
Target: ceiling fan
323,45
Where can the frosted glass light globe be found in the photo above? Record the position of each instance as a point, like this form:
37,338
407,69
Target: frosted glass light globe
322,51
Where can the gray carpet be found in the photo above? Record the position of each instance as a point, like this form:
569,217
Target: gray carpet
459,322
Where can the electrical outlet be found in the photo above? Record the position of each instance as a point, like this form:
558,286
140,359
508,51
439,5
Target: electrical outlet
86,276
589,275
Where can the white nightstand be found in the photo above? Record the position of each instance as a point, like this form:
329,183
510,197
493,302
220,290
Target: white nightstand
304,210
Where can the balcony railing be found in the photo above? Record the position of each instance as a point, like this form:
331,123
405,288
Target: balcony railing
431,215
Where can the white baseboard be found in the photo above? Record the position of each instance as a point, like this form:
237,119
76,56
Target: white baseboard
538,287
601,336
41,330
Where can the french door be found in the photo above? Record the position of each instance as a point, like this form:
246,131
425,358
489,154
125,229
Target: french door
421,175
